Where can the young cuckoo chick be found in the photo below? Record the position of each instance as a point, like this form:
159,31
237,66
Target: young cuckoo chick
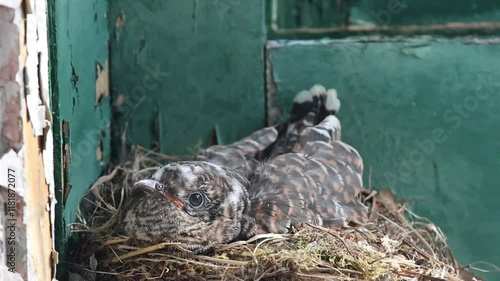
268,182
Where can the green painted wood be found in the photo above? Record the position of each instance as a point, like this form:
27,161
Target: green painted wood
78,36
327,13
314,13
317,19
424,115
210,70
422,12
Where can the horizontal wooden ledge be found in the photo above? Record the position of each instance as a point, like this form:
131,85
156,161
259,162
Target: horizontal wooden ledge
405,29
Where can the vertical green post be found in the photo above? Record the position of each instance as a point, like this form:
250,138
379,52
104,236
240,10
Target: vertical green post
78,38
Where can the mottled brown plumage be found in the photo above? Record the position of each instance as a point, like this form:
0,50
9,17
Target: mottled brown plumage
269,181
163,209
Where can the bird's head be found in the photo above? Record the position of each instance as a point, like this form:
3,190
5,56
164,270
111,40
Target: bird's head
196,203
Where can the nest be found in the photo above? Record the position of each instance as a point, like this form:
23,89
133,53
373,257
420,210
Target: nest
397,245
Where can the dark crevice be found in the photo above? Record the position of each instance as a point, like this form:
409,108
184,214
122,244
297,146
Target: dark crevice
74,77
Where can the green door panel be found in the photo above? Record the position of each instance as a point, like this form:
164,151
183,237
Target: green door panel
290,14
298,19
423,113
207,57
78,35
422,12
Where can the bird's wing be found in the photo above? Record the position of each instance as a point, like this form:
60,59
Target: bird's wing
318,181
309,108
241,155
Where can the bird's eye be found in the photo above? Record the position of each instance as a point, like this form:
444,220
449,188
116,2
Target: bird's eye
195,199
159,186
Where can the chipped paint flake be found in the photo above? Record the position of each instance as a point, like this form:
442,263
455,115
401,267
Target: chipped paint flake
119,101
37,114
120,20
48,159
98,152
102,82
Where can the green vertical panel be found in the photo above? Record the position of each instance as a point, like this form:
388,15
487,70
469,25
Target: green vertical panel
424,115
78,36
315,13
210,71
422,12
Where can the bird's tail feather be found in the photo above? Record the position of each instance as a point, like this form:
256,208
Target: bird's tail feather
311,118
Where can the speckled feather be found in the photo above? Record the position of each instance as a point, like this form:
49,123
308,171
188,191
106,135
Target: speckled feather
242,155
317,183
267,182
149,217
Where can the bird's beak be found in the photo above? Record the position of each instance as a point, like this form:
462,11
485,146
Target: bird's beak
149,186
152,187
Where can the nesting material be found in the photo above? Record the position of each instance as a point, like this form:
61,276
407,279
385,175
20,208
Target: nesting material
397,245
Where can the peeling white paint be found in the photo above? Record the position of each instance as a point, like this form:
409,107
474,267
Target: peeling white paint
33,68
38,107
15,161
37,113
13,4
5,274
48,160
